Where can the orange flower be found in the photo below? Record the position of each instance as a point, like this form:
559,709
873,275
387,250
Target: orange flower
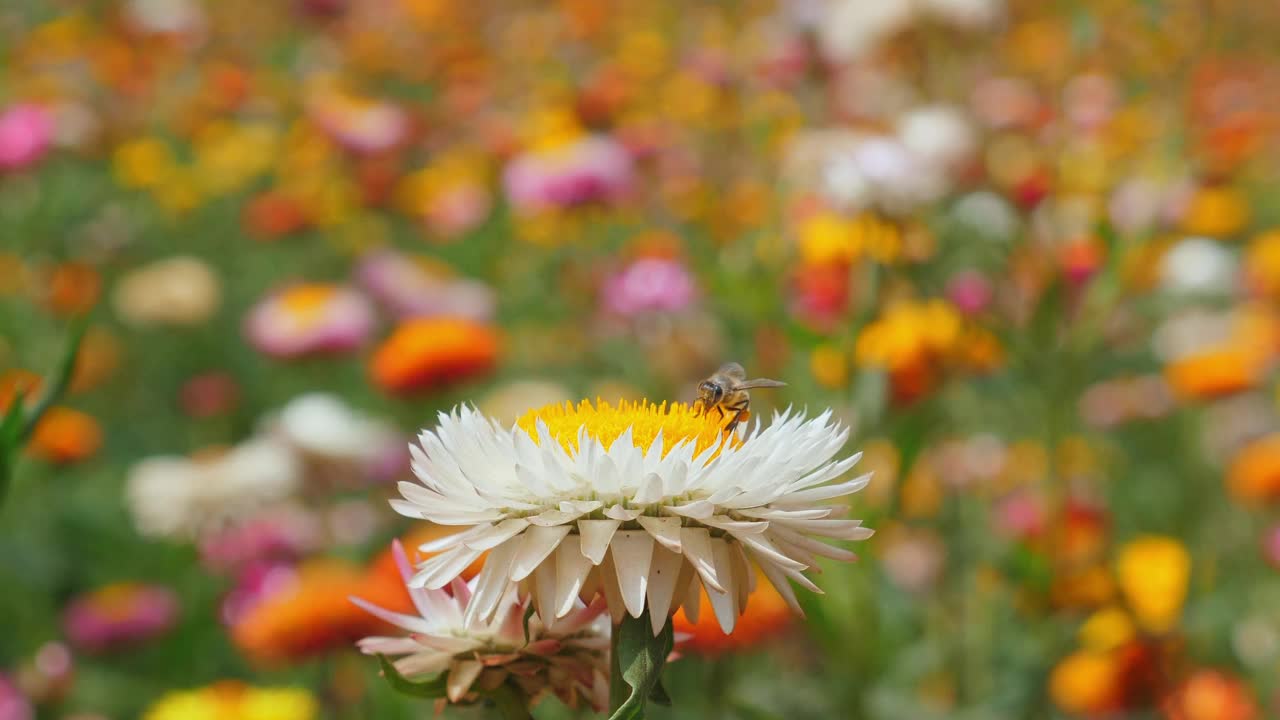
428,352
1215,372
767,615
1087,682
64,435
1254,475
313,614
1211,695
15,381
273,215
73,288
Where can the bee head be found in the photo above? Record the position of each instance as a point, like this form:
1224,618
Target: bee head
710,392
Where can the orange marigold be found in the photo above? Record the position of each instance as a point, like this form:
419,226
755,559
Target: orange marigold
429,352
1211,695
1216,372
1254,475
64,435
314,614
766,616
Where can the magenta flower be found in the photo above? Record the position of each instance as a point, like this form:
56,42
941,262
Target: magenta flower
278,534
1271,545
119,615
649,285
361,124
595,169
310,319
969,291
25,133
409,288
13,705
255,582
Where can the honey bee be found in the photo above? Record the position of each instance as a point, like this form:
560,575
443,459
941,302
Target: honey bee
726,392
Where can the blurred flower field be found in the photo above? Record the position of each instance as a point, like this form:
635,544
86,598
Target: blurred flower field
1027,252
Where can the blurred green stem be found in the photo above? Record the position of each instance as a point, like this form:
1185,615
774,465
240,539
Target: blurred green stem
511,703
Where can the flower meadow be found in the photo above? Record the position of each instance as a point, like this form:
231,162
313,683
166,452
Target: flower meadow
350,358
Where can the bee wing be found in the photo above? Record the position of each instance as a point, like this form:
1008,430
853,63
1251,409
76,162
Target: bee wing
759,383
733,371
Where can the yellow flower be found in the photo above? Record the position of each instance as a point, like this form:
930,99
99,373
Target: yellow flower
1106,630
143,163
909,333
233,700
229,156
552,128
829,367
1262,263
829,238
1153,572
1216,212
1085,682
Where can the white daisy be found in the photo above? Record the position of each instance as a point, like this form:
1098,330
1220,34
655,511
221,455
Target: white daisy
187,497
645,503
568,657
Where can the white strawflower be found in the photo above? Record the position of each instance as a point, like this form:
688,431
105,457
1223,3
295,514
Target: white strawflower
567,657
1198,265
646,503
184,497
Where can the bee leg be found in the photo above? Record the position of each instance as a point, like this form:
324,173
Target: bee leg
740,413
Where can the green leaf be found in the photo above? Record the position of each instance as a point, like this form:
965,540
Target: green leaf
10,429
60,379
433,688
637,660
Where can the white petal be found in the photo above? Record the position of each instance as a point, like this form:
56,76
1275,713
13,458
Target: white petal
691,600
839,529
451,541
650,490
497,534
544,595
439,570
571,568
779,582
817,547
537,543
737,527
723,603
632,550
744,577
617,512
596,535
697,510
423,663
608,575
490,584
666,530
766,550
695,543
827,492
664,571
548,518
461,675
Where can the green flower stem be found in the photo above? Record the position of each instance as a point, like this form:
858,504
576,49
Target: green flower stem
511,703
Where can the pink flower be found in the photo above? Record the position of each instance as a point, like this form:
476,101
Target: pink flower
310,319
970,292
118,615
25,133
257,581
457,209
13,705
1021,515
280,533
649,285
409,288
361,124
1271,546
595,169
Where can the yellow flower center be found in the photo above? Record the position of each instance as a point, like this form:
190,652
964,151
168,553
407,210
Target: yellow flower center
307,302
678,422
